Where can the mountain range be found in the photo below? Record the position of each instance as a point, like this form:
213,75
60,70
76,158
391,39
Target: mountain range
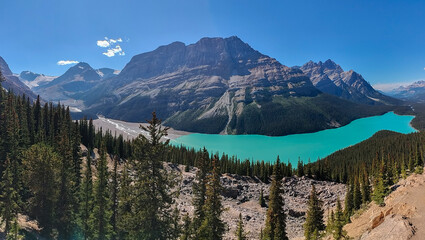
414,92
222,85
33,80
75,81
218,85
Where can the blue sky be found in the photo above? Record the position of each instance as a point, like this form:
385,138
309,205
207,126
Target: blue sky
382,40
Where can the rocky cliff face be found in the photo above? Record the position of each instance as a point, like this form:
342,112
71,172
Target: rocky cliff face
199,74
217,85
13,83
330,78
401,218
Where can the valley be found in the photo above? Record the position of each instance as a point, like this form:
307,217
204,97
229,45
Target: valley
291,148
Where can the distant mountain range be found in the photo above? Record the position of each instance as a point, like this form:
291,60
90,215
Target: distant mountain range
74,82
217,85
414,92
33,80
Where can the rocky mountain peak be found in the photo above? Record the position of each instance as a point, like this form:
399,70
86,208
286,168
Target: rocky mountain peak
329,64
12,82
330,78
28,75
82,66
4,67
218,56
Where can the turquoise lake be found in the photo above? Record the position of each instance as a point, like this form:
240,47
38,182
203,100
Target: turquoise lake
291,147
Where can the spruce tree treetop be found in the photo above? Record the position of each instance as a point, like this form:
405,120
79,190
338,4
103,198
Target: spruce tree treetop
240,233
199,191
152,218
276,220
213,227
314,220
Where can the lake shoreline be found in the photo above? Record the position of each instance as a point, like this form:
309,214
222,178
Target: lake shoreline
304,145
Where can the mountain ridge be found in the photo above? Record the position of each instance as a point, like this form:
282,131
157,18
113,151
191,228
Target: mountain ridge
76,80
412,92
330,78
220,85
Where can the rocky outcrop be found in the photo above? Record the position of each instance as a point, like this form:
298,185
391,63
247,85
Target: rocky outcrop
330,78
401,218
241,195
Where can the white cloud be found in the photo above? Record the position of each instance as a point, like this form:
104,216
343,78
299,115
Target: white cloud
66,62
103,43
117,50
113,47
109,53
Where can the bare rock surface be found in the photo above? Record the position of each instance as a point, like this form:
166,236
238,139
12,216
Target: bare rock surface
402,217
241,195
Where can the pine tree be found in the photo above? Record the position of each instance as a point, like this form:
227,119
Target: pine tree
152,218
395,172
349,205
176,228
114,199
125,204
213,227
300,168
13,233
2,78
261,200
403,168
9,199
314,220
87,199
65,208
186,228
380,188
419,163
240,234
101,211
199,192
357,195
41,175
276,220
330,225
338,222
411,164
365,187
